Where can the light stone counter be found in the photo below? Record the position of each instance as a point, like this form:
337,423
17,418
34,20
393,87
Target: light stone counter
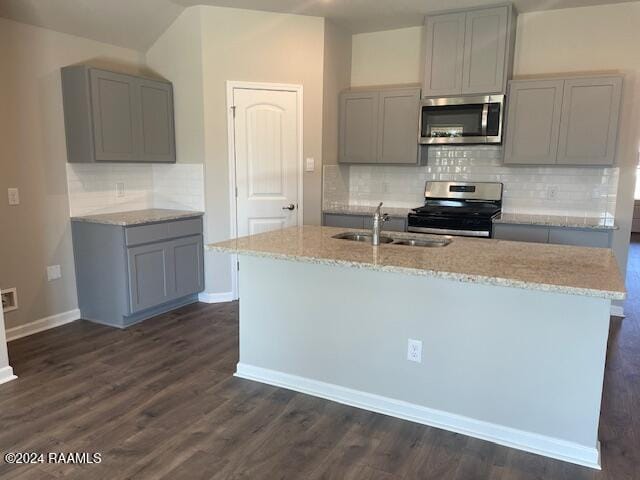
138,217
366,210
591,272
593,223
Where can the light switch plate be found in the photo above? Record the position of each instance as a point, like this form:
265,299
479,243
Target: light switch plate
310,165
14,196
54,272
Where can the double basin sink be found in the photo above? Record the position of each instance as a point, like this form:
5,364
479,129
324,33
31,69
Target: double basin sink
385,239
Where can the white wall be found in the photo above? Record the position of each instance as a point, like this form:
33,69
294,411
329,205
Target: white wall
555,41
33,158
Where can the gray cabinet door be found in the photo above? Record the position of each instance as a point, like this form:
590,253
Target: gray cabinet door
533,120
157,137
485,48
521,233
358,127
581,238
398,131
343,221
589,124
444,50
150,275
188,266
115,124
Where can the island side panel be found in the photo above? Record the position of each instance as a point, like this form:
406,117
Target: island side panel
516,359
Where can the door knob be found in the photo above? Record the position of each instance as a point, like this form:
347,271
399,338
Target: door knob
291,206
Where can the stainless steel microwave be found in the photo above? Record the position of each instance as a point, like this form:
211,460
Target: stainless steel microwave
456,120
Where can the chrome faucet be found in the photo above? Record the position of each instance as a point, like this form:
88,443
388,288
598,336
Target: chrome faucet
378,221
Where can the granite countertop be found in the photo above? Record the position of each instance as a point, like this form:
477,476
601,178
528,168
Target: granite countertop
137,217
591,272
365,210
595,223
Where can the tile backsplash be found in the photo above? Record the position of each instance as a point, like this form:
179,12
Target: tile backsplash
575,191
92,187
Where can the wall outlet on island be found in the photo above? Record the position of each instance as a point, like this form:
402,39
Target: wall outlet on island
552,192
414,351
120,189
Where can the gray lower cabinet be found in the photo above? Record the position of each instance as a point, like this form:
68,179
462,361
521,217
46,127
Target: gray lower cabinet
114,117
555,235
394,224
379,126
128,274
563,121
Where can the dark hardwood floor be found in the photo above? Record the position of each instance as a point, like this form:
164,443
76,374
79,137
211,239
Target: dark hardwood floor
159,401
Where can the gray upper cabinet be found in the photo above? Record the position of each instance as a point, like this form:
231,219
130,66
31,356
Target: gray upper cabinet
113,117
398,131
533,117
589,125
563,121
379,126
358,127
156,113
469,52
485,50
444,49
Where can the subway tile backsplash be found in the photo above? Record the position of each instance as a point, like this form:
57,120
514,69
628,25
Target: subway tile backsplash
92,187
575,191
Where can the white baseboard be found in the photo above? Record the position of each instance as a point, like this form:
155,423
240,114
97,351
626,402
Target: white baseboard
509,437
205,297
617,311
42,324
6,375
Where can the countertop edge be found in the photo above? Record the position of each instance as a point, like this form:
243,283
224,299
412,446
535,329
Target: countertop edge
116,223
577,226
460,277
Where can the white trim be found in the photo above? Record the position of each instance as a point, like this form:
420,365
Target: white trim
205,297
42,324
231,85
509,437
6,375
617,311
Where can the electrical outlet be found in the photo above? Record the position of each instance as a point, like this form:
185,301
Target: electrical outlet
552,192
9,299
385,187
14,196
54,272
120,191
310,165
414,351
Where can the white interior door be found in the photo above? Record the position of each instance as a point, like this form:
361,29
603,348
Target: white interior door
267,159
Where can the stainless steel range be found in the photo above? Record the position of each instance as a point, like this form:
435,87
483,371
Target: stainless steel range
458,208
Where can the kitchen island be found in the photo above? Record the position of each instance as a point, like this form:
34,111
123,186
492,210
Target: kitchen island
513,335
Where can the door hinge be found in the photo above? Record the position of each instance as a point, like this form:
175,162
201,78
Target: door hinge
236,192
233,110
238,265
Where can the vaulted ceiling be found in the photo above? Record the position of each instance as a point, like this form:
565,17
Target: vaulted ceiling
138,23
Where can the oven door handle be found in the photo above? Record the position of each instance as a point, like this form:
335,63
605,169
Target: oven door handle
484,121
445,231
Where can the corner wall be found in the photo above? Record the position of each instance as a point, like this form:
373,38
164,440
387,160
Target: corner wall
33,157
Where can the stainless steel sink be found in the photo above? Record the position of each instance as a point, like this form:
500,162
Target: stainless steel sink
361,237
414,242
411,242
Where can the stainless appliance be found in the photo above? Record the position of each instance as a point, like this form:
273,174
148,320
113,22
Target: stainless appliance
461,120
458,208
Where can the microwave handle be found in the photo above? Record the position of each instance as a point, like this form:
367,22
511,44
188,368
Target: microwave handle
485,119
